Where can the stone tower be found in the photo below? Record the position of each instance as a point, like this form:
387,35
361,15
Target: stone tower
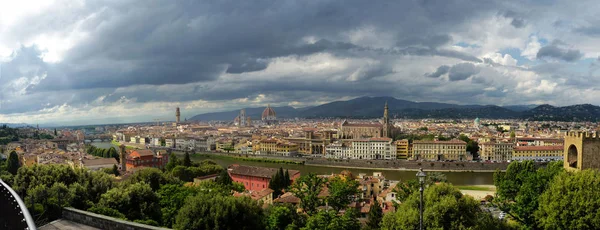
386,121
243,119
123,157
582,151
177,115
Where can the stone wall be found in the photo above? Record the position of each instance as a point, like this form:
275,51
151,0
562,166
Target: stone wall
103,222
411,165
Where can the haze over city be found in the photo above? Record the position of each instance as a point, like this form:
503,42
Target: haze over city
78,62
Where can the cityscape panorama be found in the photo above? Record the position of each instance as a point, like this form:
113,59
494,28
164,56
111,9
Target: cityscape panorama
299,115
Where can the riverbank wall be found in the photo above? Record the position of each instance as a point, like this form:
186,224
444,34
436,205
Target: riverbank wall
402,165
410,165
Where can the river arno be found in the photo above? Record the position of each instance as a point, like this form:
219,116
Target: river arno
456,178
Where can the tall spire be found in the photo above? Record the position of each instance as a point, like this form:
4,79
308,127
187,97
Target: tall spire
386,121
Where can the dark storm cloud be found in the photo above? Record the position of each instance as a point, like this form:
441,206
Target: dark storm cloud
156,43
556,51
517,20
462,71
439,72
592,31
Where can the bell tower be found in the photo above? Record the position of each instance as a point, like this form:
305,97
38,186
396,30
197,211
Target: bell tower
386,121
123,157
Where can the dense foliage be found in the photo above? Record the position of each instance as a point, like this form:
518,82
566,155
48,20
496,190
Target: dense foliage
101,152
8,134
342,191
571,202
279,181
445,207
518,189
307,188
219,212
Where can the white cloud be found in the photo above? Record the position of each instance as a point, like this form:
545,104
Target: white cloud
532,48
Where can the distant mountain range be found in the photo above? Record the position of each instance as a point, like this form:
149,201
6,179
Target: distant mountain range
372,107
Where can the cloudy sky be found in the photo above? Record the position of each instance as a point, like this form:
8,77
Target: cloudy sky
78,62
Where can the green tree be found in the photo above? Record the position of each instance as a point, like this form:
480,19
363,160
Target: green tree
330,220
275,184
342,191
280,217
307,189
173,162
172,198
219,212
518,189
405,189
115,170
375,215
13,163
153,176
445,207
187,162
286,178
136,201
571,202
55,133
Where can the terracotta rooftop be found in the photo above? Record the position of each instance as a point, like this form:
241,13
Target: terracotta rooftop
99,161
539,148
287,197
144,152
256,171
362,125
441,142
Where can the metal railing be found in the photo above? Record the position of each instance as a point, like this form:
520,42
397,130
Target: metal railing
20,217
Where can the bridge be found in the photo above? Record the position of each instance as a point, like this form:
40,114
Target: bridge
14,213
101,137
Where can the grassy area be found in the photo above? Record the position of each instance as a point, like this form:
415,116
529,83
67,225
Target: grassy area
126,146
276,161
475,187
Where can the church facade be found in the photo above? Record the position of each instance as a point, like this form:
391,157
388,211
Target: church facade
366,130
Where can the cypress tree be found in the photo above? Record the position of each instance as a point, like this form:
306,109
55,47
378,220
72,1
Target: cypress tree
286,177
187,162
375,215
115,170
13,163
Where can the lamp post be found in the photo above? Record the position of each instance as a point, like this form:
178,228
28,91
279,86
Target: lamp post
421,175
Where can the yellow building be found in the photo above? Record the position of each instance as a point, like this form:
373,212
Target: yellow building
29,160
224,145
496,151
440,150
275,147
403,149
538,153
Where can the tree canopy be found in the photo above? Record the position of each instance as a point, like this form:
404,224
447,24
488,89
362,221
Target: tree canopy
342,191
445,207
307,189
219,212
571,202
518,189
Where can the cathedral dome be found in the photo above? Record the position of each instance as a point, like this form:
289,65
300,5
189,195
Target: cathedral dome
269,114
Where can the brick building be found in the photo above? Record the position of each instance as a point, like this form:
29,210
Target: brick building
146,158
255,178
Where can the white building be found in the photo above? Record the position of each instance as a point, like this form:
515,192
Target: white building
371,148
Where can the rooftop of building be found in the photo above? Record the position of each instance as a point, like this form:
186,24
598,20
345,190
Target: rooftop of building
454,141
99,161
539,148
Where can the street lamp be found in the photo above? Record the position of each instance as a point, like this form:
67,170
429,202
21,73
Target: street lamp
421,175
